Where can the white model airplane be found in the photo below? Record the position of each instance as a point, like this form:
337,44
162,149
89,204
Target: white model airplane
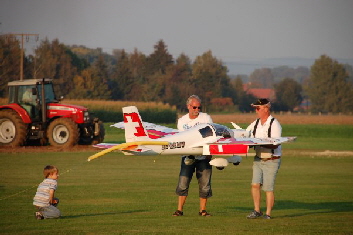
143,138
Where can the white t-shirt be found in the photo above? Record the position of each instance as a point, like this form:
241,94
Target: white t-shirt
185,123
262,132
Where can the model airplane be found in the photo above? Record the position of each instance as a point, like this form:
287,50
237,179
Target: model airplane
143,138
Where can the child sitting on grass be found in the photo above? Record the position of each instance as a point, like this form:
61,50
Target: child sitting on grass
44,199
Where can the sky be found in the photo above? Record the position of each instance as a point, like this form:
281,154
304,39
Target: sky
234,30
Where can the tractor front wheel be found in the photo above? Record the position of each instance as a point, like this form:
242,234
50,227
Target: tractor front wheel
63,132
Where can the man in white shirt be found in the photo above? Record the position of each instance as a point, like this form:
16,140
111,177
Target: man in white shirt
191,164
267,160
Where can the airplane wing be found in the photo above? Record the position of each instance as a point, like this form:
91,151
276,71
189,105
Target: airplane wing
105,145
256,141
154,131
240,146
127,147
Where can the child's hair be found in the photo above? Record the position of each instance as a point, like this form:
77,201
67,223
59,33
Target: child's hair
48,170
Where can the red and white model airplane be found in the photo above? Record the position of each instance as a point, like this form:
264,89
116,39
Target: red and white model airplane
143,138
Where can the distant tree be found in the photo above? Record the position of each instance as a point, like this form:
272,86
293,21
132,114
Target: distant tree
83,84
238,86
245,103
160,59
349,70
281,72
92,83
222,104
52,60
299,74
76,61
10,53
122,81
137,62
261,78
179,85
100,80
329,90
288,94
154,90
91,55
209,77
157,65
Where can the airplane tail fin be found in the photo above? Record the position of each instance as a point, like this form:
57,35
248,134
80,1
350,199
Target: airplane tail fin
134,129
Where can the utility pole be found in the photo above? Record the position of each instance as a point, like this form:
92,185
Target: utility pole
22,35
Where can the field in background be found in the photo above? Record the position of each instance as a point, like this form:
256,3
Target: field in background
118,105
287,118
111,105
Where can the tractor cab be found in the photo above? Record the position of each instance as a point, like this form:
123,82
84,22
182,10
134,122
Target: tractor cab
28,94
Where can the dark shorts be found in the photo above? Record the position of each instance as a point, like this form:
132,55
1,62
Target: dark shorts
203,171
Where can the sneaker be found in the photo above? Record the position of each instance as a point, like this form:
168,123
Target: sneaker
38,216
254,214
267,217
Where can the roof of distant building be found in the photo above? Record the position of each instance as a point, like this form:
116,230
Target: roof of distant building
263,93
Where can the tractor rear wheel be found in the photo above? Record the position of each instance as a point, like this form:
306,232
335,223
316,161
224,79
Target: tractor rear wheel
63,132
13,131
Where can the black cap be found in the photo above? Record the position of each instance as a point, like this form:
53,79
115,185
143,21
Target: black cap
260,102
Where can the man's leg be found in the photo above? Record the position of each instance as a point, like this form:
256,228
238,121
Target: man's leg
203,203
270,172
204,174
181,202
256,196
270,201
182,190
256,189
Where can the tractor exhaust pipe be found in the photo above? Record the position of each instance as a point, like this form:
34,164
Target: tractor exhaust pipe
44,105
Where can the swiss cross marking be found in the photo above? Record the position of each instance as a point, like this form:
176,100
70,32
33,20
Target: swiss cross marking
134,117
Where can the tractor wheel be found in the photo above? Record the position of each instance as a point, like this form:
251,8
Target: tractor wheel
100,137
63,132
13,131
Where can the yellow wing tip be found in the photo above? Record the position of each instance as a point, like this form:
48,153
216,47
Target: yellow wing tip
124,145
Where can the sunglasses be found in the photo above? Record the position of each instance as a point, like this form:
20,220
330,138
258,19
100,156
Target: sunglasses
196,107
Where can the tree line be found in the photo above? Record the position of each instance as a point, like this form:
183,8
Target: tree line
83,73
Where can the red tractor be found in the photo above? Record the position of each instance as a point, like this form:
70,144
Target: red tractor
34,116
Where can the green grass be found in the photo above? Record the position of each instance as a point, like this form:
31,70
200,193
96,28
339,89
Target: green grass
118,194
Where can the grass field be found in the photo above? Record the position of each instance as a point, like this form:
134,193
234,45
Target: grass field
118,194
